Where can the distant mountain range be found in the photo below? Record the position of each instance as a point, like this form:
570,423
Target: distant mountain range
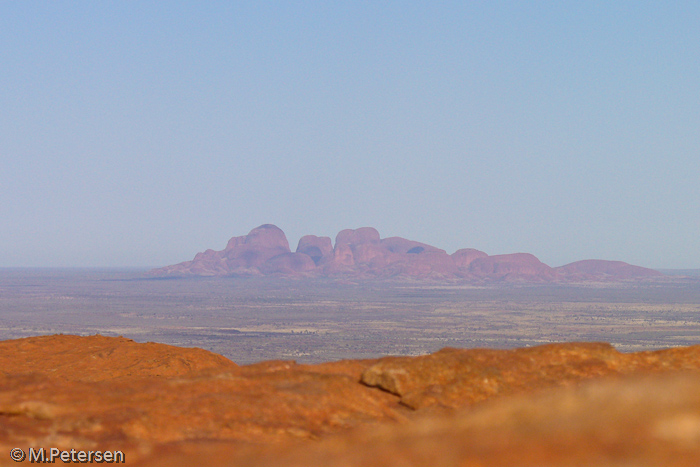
362,254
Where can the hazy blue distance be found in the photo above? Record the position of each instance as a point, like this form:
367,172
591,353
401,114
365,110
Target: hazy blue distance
139,133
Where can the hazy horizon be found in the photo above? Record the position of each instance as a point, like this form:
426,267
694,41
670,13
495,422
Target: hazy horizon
138,134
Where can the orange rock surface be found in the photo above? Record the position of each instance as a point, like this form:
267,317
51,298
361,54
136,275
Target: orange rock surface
559,404
99,358
457,377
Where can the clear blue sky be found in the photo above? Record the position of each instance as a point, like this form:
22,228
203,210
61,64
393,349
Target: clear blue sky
139,133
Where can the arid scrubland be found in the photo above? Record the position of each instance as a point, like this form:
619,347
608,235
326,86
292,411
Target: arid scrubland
582,383
255,319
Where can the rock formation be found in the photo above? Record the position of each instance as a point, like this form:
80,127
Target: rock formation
363,254
592,269
552,405
319,249
516,266
464,257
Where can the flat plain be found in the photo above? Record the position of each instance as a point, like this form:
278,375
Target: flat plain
255,319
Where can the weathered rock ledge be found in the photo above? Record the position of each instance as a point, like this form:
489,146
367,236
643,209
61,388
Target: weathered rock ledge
559,404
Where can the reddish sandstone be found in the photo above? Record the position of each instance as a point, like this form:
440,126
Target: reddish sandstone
319,249
552,405
362,254
464,257
512,267
592,269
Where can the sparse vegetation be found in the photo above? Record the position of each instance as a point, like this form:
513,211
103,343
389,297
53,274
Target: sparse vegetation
250,320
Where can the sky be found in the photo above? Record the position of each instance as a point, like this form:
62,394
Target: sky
139,133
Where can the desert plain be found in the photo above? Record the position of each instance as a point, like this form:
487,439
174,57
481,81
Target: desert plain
315,371
249,320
